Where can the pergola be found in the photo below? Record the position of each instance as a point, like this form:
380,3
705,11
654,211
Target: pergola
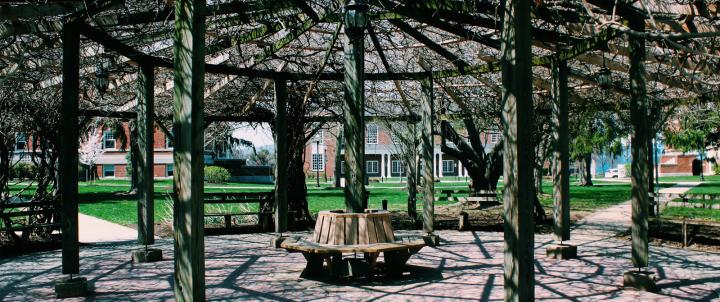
440,46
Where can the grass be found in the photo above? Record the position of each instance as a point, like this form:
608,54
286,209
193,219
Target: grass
592,198
106,199
691,213
712,187
712,178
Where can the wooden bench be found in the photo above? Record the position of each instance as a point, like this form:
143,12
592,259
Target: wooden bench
11,211
259,198
344,233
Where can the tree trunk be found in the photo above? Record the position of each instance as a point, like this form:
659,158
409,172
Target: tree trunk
338,157
411,173
586,179
538,179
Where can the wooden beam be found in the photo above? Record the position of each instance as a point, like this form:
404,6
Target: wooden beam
68,151
427,153
388,69
188,153
437,48
145,161
354,113
518,152
281,156
639,147
561,152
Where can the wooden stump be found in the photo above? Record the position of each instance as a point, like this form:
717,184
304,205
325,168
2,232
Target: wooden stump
340,228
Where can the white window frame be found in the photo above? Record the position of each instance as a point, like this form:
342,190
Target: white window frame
372,139
168,142
374,164
105,140
319,136
105,171
448,163
397,167
342,167
20,138
495,137
317,162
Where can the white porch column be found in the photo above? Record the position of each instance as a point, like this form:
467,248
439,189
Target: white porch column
382,165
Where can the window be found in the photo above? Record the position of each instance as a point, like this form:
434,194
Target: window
108,140
397,167
342,167
448,166
168,142
318,162
371,166
108,170
495,137
20,142
371,134
169,170
318,137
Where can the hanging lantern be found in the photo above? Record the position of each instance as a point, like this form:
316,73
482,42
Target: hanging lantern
101,77
355,16
604,78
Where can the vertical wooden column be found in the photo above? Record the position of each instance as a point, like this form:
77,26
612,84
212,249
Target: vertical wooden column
145,161
561,157
518,151
281,156
69,151
188,155
354,107
639,146
426,100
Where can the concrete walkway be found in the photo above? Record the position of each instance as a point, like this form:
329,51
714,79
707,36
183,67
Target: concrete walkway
96,230
680,188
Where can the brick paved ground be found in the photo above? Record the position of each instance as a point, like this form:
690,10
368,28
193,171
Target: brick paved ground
468,265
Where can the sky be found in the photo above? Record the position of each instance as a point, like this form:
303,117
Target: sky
259,136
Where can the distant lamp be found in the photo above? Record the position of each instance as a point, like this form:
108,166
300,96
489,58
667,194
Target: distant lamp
604,78
355,17
102,81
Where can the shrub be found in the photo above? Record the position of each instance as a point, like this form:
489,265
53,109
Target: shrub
716,168
215,174
24,171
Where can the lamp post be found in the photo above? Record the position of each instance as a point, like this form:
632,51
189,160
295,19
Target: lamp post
101,77
317,169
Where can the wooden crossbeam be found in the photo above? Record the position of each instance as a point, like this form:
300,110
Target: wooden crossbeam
437,48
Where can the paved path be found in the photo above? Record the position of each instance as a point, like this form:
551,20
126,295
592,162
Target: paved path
95,230
680,187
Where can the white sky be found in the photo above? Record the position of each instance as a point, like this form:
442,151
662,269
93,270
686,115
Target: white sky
260,135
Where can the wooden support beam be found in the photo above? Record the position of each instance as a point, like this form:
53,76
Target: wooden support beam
145,161
427,153
561,153
69,150
354,113
639,147
518,152
437,48
281,156
188,154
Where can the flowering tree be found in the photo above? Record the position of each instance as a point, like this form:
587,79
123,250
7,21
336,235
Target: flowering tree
90,149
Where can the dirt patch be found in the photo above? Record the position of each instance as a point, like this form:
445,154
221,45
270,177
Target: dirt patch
700,238
9,247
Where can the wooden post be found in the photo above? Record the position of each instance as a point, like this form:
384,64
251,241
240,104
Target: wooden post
145,161
561,157
69,151
426,100
354,107
639,146
281,156
518,152
188,155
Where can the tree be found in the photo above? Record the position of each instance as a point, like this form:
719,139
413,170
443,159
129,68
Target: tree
595,132
90,150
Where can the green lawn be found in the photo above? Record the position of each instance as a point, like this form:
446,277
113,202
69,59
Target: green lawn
691,213
715,178
712,187
106,199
